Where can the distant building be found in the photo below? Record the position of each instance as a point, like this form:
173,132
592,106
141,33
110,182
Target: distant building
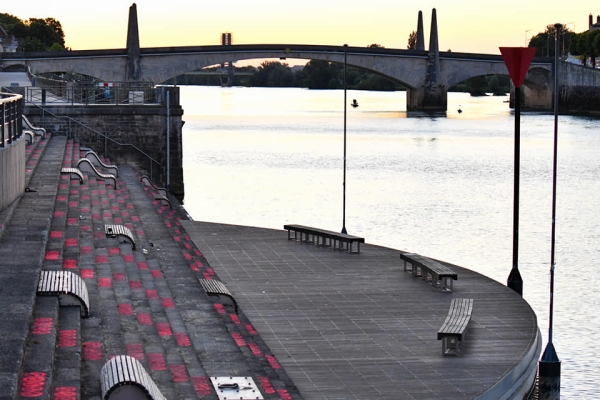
592,25
8,43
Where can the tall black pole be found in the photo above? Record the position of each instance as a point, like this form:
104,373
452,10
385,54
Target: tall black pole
515,282
344,183
549,365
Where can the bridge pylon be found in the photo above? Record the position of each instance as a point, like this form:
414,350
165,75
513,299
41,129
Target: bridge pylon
431,95
227,80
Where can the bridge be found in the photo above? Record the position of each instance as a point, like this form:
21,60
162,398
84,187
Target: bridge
427,74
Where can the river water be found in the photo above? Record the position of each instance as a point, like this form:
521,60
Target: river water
438,185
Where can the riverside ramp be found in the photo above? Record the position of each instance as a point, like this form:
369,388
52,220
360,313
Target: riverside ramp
356,326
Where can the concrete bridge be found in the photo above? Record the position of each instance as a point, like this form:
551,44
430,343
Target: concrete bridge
427,74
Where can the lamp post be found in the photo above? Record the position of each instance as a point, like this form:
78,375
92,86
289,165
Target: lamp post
527,31
549,365
344,182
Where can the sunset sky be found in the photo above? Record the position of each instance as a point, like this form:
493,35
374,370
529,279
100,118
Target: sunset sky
463,25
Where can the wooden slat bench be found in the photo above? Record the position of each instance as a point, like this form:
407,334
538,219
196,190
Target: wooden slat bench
146,181
69,287
336,240
72,171
454,329
123,377
93,157
215,287
432,271
86,165
114,231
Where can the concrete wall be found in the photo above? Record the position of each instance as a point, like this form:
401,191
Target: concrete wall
579,89
12,172
126,134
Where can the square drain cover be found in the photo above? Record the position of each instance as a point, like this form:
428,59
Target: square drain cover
236,387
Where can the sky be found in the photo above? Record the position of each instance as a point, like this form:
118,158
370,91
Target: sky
463,25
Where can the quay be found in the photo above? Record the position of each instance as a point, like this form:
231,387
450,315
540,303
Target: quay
311,323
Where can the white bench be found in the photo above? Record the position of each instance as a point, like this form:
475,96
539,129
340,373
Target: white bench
93,157
454,329
214,287
113,231
72,171
86,165
123,377
69,287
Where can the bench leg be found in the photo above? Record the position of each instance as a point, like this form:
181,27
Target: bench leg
450,346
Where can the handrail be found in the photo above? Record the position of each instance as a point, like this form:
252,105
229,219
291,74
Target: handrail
101,134
11,108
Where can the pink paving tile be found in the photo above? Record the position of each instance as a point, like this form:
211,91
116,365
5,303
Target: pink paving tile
85,228
125,309
255,349
72,221
84,210
283,393
92,351
32,384
73,204
239,340
102,259
266,385
144,319
142,265
63,186
156,273
52,255
119,276
207,276
151,294
135,350
114,250
71,242
167,302
157,362
201,385
42,326
87,273
85,197
85,249
59,214
178,373
273,361
104,282
234,318
61,198
128,257
67,338
99,234
250,329
69,263
65,393
118,220
194,267
182,339
135,285
220,309
56,234
164,329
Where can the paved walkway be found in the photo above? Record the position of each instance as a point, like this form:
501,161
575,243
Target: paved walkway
313,323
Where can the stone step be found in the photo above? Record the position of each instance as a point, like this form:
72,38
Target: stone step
66,383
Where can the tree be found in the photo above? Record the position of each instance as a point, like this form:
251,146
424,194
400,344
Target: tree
36,34
544,41
412,41
586,45
272,74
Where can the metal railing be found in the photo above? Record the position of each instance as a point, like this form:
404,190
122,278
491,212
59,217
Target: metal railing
11,109
88,94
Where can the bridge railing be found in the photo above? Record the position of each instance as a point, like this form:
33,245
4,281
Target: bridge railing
67,93
11,109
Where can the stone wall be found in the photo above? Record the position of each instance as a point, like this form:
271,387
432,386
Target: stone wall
126,134
579,90
12,172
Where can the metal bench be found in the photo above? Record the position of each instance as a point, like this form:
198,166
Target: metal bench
86,165
28,136
214,287
454,329
38,131
123,377
93,157
430,270
69,287
113,231
72,171
163,199
146,181
336,240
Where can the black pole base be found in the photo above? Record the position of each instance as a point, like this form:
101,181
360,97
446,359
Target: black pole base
515,282
549,373
344,231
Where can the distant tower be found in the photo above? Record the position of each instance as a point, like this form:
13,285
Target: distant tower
133,71
420,45
227,80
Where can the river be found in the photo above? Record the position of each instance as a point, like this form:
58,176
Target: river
438,185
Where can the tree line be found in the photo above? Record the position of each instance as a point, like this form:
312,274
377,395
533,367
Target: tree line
585,45
34,34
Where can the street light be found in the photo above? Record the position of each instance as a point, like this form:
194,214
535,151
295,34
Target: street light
527,31
344,183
